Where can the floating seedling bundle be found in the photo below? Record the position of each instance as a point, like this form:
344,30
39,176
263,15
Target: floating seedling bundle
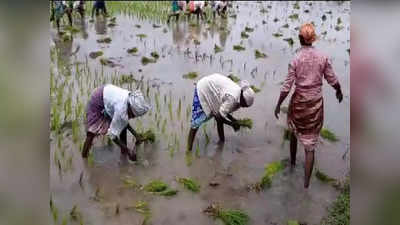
106,40
328,135
259,54
228,216
238,48
190,75
189,184
269,172
245,122
132,50
159,187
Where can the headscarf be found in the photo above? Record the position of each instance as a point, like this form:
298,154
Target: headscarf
137,103
307,31
248,93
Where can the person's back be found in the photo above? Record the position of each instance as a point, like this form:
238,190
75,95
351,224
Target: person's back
213,88
114,98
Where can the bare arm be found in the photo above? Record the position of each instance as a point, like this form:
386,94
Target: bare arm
287,85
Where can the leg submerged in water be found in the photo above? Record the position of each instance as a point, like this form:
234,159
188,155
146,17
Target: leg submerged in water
88,144
220,128
293,150
192,134
308,167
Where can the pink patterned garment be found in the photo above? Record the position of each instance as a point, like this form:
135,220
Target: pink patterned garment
306,108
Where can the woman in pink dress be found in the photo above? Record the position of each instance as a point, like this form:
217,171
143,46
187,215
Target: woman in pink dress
306,109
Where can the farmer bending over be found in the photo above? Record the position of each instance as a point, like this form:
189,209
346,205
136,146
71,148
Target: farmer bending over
109,111
306,108
218,96
99,5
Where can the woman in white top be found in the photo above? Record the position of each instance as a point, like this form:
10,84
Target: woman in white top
218,96
108,113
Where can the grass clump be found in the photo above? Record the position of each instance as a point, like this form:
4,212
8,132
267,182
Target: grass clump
217,49
246,122
95,54
339,212
106,40
234,78
259,54
132,50
190,75
323,177
328,135
238,48
189,184
248,29
243,34
255,89
228,216
146,60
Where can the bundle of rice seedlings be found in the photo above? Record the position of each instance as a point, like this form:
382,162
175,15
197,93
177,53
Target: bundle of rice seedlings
104,40
248,29
255,89
189,184
156,186
277,35
190,75
132,50
228,216
269,172
217,49
141,36
294,16
243,34
155,55
328,135
259,54
148,136
169,192
245,122
238,48
146,60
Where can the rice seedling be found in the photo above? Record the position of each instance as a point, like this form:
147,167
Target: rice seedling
269,172
238,48
246,122
164,126
106,40
107,62
142,208
190,75
54,210
146,60
339,21
179,109
132,50
296,5
156,25
286,26
292,222
255,89
248,29
124,78
328,135
259,54
197,152
155,55
72,29
171,150
196,42
294,16
234,78
228,216
95,54
66,37
244,35
75,131
141,36
148,136
169,192
289,41
98,195
217,49
64,220
155,186
75,214
189,184
323,177
277,34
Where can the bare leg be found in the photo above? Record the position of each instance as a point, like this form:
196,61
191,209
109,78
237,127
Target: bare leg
220,127
123,139
58,25
88,144
69,14
293,150
192,134
308,168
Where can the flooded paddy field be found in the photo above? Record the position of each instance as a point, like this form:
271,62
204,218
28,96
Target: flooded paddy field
164,61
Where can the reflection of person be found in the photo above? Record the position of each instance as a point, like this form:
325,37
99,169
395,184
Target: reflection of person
306,108
101,26
219,7
80,7
218,96
108,112
99,5
177,34
175,11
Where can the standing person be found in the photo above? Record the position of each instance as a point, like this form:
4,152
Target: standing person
99,5
218,96
306,109
175,11
59,9
108,112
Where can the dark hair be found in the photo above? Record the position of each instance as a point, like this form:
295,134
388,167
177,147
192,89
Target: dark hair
303,42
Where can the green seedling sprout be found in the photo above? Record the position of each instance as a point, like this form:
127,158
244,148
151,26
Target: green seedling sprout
189,184
328,135
190,75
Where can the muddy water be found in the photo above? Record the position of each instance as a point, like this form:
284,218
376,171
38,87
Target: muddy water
234,165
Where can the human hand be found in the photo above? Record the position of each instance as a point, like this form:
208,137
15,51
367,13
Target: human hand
236,126
339,95
277,111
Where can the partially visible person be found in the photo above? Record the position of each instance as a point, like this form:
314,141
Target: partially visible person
79,6
99,5
108,112
175,11
197,8
306,109
220,8
216,96
59,8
